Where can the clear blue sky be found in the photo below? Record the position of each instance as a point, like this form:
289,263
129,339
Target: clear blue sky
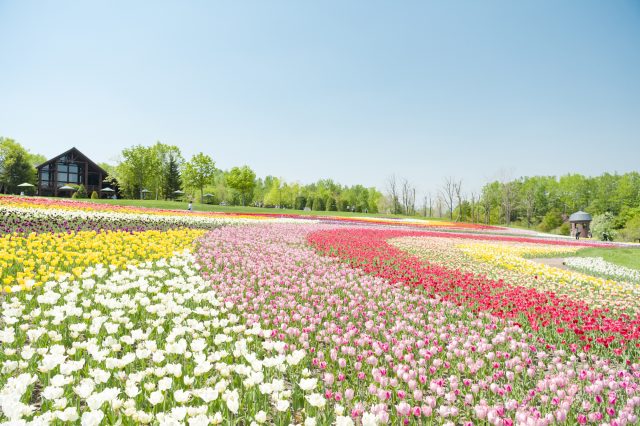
352,90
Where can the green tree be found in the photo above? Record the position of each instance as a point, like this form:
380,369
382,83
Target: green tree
631,231
173,179
164,155
300,202
36,159
137,169
15,166
318,204
273,197
551,220
330,204
243,180
199,172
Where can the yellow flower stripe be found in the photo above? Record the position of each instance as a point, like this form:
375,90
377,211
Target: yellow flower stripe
38,258
512,257
508,262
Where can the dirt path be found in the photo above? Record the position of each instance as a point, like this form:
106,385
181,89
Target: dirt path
556,262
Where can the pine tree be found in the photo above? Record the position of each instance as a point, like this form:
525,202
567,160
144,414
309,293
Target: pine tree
174,181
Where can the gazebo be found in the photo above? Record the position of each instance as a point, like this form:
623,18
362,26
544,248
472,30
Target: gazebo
580,223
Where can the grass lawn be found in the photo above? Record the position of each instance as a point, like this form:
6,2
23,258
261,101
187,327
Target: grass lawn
180,205
629,257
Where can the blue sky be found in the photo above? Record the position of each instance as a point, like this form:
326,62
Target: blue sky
352,90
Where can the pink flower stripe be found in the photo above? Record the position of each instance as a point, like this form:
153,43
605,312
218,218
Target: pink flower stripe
368,250
383,348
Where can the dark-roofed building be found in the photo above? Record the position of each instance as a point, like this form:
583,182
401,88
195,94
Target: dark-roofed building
580,224
69,168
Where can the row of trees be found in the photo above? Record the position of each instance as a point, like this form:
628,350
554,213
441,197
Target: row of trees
162,170
545,202
529,200
17,165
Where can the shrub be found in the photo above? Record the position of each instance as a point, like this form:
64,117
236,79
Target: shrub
564,229
631,231
94,195
602,227
81,192
551,220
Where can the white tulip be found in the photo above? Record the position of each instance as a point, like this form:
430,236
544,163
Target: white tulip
308,384
92,418
316,400
156,397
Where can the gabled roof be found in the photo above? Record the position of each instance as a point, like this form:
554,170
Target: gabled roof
77,153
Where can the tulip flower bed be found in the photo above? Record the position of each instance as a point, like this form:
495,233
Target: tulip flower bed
556,318
509,262
384,352
599,266
74,206
292,322
24,221
27,262
149,344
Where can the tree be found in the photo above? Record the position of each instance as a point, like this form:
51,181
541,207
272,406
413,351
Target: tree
508,200
408,197
36,159
318,204
330,204
458,189
243,180
198,172
631,231
173,180
450,188
165,155
15,166
137,170
490,199
392,189
551,220
529,192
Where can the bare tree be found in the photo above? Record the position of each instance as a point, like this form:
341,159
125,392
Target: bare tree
486,202
408,197
413,200
430,205
439,205
473,207
392,189
450,189
405,190
508,196
427,205
458,189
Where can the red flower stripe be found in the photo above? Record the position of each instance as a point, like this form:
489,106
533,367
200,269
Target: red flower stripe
367,249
